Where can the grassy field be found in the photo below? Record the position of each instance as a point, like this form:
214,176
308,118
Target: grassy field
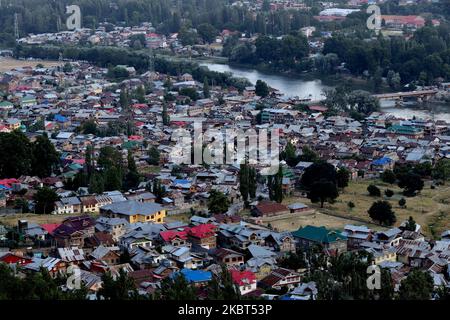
11,219
431,208
6,64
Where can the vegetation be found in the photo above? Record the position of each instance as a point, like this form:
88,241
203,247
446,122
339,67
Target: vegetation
381,211
218,202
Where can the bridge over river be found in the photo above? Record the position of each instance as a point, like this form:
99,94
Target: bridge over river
420,95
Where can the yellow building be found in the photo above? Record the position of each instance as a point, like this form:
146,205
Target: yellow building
134,211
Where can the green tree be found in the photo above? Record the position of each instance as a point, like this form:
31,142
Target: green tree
410,224
206,93
388,193
374,191
342,178
441,170
44,200
290,155
97,183
207,32
381,211
165,115
261,89
402,203
388,176
418,285
18,149
323,191
121,288
177,288
132,177
44,157
153,156
218,202
411,183
320,170
275,185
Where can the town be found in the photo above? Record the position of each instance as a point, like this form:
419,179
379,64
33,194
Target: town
98,202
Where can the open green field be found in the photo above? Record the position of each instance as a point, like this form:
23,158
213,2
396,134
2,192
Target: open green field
430,209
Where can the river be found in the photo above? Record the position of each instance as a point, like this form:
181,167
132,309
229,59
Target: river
289,86
313,89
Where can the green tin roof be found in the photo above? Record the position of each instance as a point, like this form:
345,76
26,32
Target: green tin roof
319,234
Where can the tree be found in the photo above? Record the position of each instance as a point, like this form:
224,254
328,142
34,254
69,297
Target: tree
97,183
381,211
402,203
121,288
308,155
261,89
373,190
410,224
177,288
223,287
132,177
389,193
320,170
207,32
89,127
342,178
418,285
441,170
113,179
388,176
275,185
218,202
350,205
323,191
411,183
153,156
44,157
45,199
124,99
158,190
290,155
206,93
165,116
109,157
18,149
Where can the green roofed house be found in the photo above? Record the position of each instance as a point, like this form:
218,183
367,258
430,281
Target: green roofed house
331,240
28,101
6,106
409,131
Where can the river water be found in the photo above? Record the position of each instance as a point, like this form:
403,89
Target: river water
313,89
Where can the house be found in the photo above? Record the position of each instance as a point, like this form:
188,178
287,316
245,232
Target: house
72,255
134,211
114,226
269,208
54,266
14,259
280,278
68,205
389,237
73,231
261,267
283,242
228,257
298,207
196,277
108,255
245,280
304,291
89,204
382,164
356,234
330,240
176,237
203,235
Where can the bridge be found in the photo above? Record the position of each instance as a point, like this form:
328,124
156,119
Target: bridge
420,95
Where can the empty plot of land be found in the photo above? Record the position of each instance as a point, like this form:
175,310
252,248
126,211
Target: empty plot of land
11,219
7,64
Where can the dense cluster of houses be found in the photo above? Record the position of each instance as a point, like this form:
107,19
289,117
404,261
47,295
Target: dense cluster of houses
200,248
100,228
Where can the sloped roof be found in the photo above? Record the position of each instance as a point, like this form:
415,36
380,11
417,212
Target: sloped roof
319,234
